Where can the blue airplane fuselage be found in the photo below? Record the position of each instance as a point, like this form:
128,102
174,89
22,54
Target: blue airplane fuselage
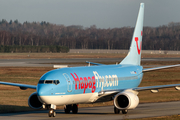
89,79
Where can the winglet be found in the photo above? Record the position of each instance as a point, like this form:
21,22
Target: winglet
134,55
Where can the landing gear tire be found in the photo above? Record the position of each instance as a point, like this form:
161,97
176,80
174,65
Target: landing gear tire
67,109
124,111
74,109
116,111
52,113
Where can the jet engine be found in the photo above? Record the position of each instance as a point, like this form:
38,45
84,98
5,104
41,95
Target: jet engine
34,102
126,100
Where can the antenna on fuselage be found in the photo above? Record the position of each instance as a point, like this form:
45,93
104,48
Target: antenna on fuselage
89,64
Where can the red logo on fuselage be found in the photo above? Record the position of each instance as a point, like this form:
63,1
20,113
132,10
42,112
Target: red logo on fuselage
84,82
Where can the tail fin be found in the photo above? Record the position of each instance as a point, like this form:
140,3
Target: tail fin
134,55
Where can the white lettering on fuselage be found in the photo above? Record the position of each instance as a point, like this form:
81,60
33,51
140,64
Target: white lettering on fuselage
105,81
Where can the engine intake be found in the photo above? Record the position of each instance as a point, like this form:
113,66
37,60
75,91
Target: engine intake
34,102
126,100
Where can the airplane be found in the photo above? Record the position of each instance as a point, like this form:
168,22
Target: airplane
98,83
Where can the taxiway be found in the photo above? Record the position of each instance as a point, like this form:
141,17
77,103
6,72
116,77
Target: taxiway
101,113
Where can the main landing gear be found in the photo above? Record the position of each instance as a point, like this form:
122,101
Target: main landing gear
117,111
68,108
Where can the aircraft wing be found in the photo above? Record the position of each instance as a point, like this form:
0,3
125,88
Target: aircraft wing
158,68
109,94
22,86
177,87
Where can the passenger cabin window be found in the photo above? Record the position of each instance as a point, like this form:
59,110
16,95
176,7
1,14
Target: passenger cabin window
49,82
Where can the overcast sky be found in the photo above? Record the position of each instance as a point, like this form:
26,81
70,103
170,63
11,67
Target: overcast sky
102,13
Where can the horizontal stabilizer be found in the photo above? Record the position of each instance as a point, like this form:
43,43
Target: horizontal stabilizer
158,68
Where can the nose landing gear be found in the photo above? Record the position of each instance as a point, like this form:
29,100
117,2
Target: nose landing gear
52,113
51,108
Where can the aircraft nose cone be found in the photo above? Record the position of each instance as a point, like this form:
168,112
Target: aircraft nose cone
41,90
44,93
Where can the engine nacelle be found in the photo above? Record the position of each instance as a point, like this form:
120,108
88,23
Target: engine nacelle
34,102
126,100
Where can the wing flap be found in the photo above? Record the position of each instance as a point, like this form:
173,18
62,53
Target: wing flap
22,86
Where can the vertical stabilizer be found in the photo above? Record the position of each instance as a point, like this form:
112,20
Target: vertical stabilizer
134,55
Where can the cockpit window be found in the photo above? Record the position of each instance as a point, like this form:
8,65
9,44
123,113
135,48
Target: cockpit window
49,82
41,81
56,82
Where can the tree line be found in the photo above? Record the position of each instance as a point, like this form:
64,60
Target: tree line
13,33
34,49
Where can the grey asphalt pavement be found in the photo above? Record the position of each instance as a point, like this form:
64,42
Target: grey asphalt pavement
101,113
51,62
